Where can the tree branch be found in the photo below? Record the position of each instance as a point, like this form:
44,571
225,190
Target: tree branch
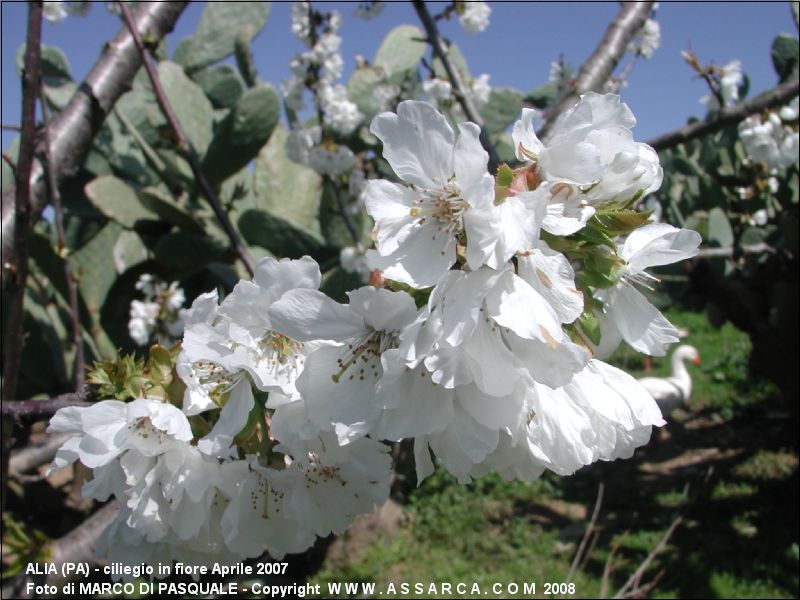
31,457
72,287
462,94
35,409
637,575
78,546
72,131
775,97
18,265
183,143
589,529
600,65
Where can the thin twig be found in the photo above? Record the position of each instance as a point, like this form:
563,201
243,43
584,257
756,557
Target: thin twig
58,219
183,143
599,66
76,125
608,568
729,251
36,409
11,163
10,127
343,212
589,529
460,91
16,283
637,574
777,96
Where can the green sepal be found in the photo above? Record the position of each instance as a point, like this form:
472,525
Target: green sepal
590,327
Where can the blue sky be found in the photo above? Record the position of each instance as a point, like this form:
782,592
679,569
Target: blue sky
517,48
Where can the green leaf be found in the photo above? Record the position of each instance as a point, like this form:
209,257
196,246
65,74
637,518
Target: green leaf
221,84
243,52
281,238
785,56
192,108
94,271
502,109
216,32
119,202
242,133
163,205
401,50
285,188
543,96
720,232
360,90
55,66
129,250
186,251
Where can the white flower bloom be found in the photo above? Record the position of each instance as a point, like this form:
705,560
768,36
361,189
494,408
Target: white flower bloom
142,323
730,80
334,162
760,218
108,428
475,16
300,21
340,114
299,143
791,111
223,343
352,260
327,485
55,11
437,89
481,89
602,414
628,312
338,382
591,156
647,39
448,192
385,95
770,142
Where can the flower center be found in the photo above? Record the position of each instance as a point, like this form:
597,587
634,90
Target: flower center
281,351
363,358
445,205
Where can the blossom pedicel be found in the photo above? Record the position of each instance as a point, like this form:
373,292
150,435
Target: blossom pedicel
495,298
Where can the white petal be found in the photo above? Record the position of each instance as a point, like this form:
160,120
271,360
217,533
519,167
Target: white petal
389,204
383,310
550,273
232,420
425,257
470,160
417,142
642,325
306,315
523,135
514,304
659,244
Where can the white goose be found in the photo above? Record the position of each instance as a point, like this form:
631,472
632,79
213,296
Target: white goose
674,391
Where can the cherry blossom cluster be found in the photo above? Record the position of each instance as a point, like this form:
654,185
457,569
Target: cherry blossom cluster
771,139
493,301
159,315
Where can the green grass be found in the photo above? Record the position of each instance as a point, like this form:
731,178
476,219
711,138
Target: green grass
735,483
